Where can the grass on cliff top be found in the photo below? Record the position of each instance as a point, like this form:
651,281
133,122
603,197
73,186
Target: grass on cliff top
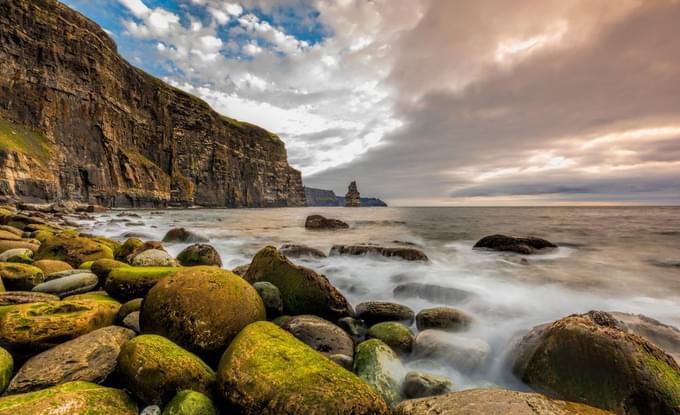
23,139
242,124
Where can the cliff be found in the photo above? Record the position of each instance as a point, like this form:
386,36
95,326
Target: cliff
321,197
77,122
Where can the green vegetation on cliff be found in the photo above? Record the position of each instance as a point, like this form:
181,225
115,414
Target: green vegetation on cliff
23,139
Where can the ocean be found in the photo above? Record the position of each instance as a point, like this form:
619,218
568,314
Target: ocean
623,259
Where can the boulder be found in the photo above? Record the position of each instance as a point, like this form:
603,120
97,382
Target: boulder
72,398
154,258
379,366
374,312
267,371
494,401
129,307
199,254
431,292
321,335
127,283
443,318
23,244
354,327
209,307
155,369
319,222
303,291
102,267
90,357
69,285
73,249
50,266
394,334
408,254
9,236
11,229
131,321
241,270
297,251
465,354
663,335
20,277
521,245
182,235
271,297
188,402
588,358
17,252
24,297
151,410
129,246
145,246
6,369
421,385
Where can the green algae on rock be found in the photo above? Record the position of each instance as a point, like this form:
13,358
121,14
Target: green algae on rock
20,277
268,371
127,283
129,246
199,254
73,249
188,402
155,369
72,398
50,266
6,369
200,308
379,366
394,334
303,291
102,267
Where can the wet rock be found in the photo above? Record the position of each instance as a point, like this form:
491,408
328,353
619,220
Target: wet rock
102,267
90,357
443,318
354,327
373,312
73,398
199,254
131,321
379,366
183,235
6,368
589,358
69,285
188,402
408,254
209,307
127,283
127,308
394,334
663,335
320,222
297,251
321,335
494,401
465,354
20,277
154,258
521,245
432,293
73,249
421,385
50,266
156,369
271,297
10,253
303,291
25,297
255,375
129,246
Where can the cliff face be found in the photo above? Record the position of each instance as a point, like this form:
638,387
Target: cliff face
320,197
78,122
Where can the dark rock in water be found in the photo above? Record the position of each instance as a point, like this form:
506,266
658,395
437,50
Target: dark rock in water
494,401
296,251
90,357
421,385
320,222
24,297
199,254
431,292
443,318
408,254
394,334
271,297
373,312
589,358
521,245
354,327
465,354
183,235
69,285
321,335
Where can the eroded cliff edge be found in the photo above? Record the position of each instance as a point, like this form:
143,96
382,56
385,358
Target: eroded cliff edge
77,122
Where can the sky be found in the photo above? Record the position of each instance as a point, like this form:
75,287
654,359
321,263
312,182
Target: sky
435,102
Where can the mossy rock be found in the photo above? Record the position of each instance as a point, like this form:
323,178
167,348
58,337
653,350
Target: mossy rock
188,402
86,265
588,358
126,283
199,254
2,286
102,267
21,259
50,266
24,243
379,366
42,235
156,369
73,249
394,334
128,247
303,291
20,277
6,368
72,398
100,296
34,327
208,305
267,371
129,307
113,244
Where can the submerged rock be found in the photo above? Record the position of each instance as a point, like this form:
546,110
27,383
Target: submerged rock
373,312
408,254
421,385
394,334
183,235
321,335
432,293
297,251
199,254
465,354
188,402
379,366
320,222
255,375
443,318
521,245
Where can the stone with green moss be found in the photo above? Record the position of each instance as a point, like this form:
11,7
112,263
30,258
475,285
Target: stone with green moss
380,367
188,402
129,307
266,370
128,247
42,235
589,358
21,259
102,267
2,286
24,243
101,296
303,291
86,265
72,398
72,249
156,369
6,368
113,244
50,266
199,254
208,305
20,277
394,334
126,283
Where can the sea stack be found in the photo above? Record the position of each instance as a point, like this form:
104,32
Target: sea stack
352,198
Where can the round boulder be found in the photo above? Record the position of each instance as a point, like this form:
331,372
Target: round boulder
271,297
154,258
421,385
443,318
321,335
465,354
199,254
319,222
379,366
6,367
188,402
50,266
183,235
396,335
374,312
20,277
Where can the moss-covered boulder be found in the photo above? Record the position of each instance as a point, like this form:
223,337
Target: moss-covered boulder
6,368
396,335
34,327
126,283
20,277
73,398
303,291
201,309
7,245
267,371
102,267
588,358
199,254
379,366
73,249
321,335
50,266
15,253
127,308
128,247
155,369
188,402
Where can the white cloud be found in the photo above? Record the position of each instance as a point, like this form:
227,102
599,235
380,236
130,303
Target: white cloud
137,7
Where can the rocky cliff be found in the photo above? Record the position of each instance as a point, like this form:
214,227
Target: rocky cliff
321,197
78,122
